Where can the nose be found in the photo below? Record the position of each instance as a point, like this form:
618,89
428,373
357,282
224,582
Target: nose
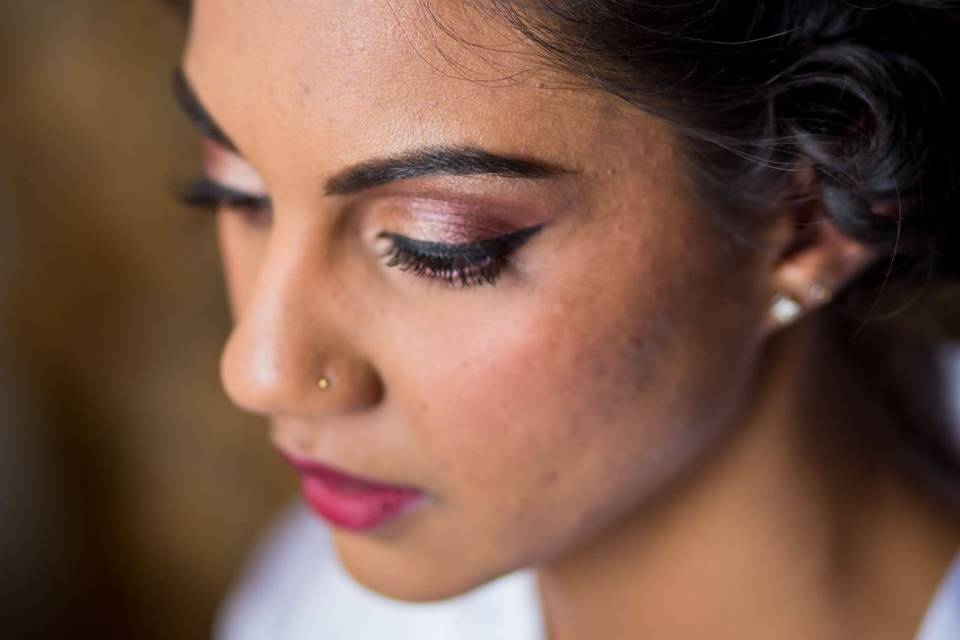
295,329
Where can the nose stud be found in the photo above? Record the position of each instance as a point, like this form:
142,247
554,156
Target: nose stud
323,383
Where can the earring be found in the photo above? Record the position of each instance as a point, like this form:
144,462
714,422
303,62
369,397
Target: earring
323,383
820,293
784,308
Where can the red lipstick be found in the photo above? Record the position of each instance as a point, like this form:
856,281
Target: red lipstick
350,502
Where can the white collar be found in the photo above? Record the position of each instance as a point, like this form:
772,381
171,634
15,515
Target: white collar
942,619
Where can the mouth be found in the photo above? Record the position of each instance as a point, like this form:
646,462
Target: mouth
350,502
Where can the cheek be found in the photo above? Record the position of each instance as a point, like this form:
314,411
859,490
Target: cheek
533,439
533,398
559,413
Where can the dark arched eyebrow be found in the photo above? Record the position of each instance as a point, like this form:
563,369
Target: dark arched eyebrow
187,98
460,160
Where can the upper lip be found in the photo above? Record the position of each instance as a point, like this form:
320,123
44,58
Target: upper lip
331,474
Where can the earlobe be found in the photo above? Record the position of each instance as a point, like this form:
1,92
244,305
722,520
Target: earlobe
814,264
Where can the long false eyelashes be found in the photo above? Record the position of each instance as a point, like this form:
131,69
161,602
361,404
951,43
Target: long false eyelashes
463,265
453,269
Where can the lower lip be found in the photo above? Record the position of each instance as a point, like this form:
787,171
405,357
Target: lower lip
356,506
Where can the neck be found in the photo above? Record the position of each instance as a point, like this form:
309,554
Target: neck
799,527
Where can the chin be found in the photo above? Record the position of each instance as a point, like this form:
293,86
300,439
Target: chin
387,570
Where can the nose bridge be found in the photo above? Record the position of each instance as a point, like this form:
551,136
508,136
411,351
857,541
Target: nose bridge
285,338
267,349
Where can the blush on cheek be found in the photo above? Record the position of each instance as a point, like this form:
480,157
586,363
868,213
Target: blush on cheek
538,394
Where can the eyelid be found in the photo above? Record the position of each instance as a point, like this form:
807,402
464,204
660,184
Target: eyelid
477,249
231,167
469,264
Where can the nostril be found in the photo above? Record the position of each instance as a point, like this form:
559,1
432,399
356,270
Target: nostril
304,382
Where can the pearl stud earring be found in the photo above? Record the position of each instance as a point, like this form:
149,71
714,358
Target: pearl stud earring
784,308
323,383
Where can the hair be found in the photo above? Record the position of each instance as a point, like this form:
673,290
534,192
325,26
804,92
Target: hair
859,94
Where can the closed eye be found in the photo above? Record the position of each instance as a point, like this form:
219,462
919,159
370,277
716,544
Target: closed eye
209,195
461,265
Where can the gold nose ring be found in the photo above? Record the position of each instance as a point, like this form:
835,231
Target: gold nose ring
323,383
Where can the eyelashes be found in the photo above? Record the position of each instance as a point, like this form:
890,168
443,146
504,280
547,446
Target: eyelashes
464,265
458,265
207,195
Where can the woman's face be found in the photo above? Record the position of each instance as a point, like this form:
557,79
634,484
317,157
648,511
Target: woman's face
610,352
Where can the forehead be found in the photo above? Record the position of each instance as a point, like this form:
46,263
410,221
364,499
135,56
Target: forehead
382,75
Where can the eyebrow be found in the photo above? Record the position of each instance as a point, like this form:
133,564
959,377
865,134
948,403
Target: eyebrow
459,160
187,98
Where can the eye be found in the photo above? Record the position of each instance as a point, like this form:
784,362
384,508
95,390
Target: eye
463,265
208,195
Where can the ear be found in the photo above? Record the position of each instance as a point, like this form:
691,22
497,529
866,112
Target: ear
812,260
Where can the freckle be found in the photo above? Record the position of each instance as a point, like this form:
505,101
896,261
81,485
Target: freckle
601,371
305,91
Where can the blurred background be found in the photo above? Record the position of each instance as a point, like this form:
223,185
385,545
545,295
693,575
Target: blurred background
130,490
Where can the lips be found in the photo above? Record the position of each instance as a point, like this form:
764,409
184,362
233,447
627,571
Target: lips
350,502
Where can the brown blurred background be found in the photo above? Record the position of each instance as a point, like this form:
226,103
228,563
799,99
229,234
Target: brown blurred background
129,489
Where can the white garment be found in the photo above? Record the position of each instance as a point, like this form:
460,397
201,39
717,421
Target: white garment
296,590
942,620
